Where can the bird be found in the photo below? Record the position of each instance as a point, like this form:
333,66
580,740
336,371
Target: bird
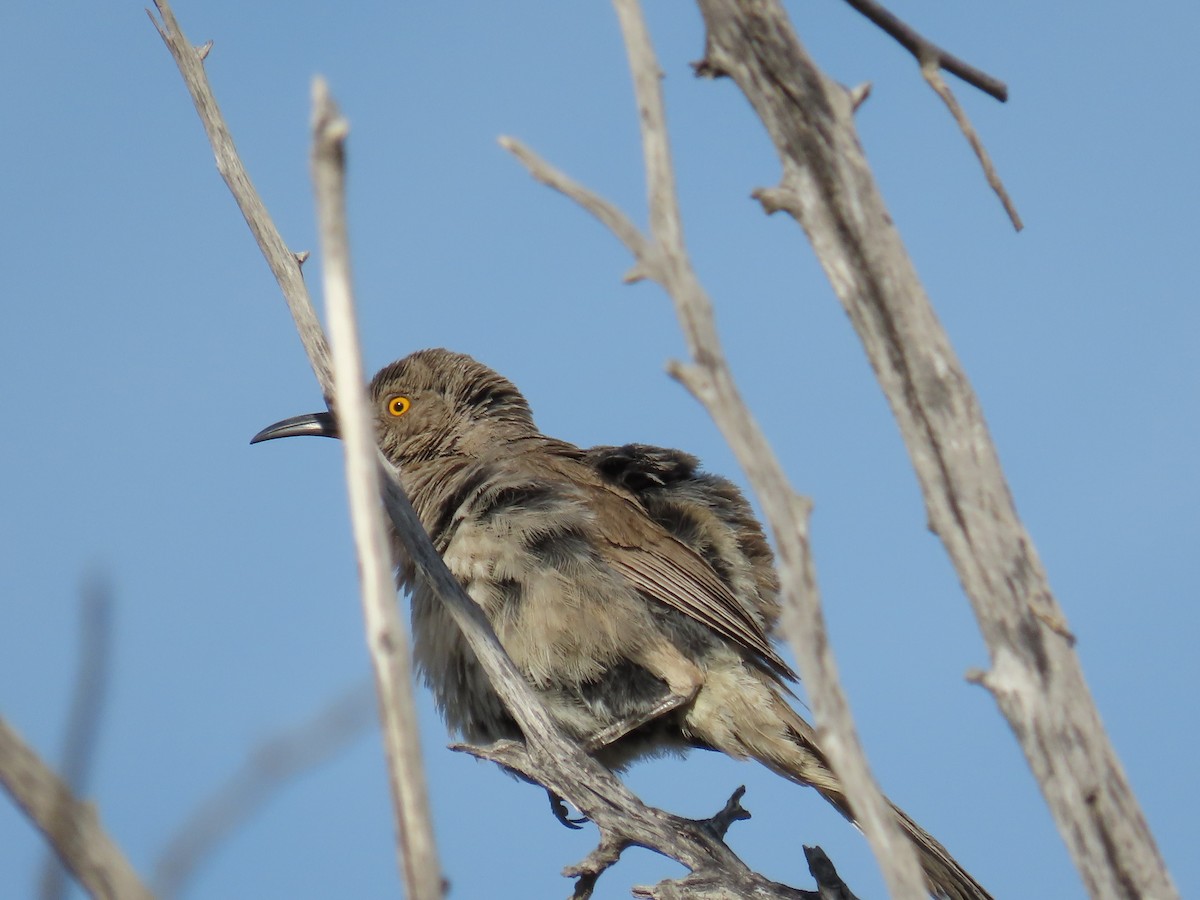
635,593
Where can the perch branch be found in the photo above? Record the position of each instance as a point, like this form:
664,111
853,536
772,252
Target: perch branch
1036,678
85,848
716,873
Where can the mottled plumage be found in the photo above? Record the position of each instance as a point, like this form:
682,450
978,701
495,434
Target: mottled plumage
635,593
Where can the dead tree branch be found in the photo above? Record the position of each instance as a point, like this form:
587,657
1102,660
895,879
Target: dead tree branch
716,872
1036,677
284,263
927,52
387,641
931,74
932,59
85,848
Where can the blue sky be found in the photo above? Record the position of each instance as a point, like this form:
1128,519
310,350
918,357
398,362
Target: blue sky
147,342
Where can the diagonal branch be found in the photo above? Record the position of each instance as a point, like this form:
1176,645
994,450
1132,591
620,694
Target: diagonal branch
611,217
927,52
283,262
85,848
931,74
933,58
710,380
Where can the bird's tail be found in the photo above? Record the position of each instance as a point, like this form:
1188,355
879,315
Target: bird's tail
943,875
795,755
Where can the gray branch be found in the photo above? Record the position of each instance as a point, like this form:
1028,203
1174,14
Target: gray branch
387,641
1035,677
926,51
284,263
85,848
933,77
716,872
932,60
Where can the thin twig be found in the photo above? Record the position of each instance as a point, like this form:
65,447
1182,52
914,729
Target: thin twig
386,638
932,59
926,50
284,263
931,74
83,722
86,848
608,214
268,768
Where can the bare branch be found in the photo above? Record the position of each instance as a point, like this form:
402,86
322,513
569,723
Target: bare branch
279,257
616,221
926,51
715,871
934,77
1036,678
85,848
83,721
268,768
386,638
933,58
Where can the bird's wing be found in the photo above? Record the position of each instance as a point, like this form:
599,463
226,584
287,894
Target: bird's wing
706,513
664,569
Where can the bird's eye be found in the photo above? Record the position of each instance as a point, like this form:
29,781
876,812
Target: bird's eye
398,406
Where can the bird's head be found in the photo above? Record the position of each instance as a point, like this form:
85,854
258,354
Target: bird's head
430,404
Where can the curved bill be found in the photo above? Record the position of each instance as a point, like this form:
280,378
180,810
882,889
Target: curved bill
320,424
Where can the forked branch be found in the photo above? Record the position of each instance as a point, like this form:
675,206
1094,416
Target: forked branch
85,847
927,52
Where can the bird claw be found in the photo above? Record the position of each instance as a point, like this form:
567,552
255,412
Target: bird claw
559,807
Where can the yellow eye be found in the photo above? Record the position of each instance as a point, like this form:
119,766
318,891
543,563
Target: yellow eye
398,406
